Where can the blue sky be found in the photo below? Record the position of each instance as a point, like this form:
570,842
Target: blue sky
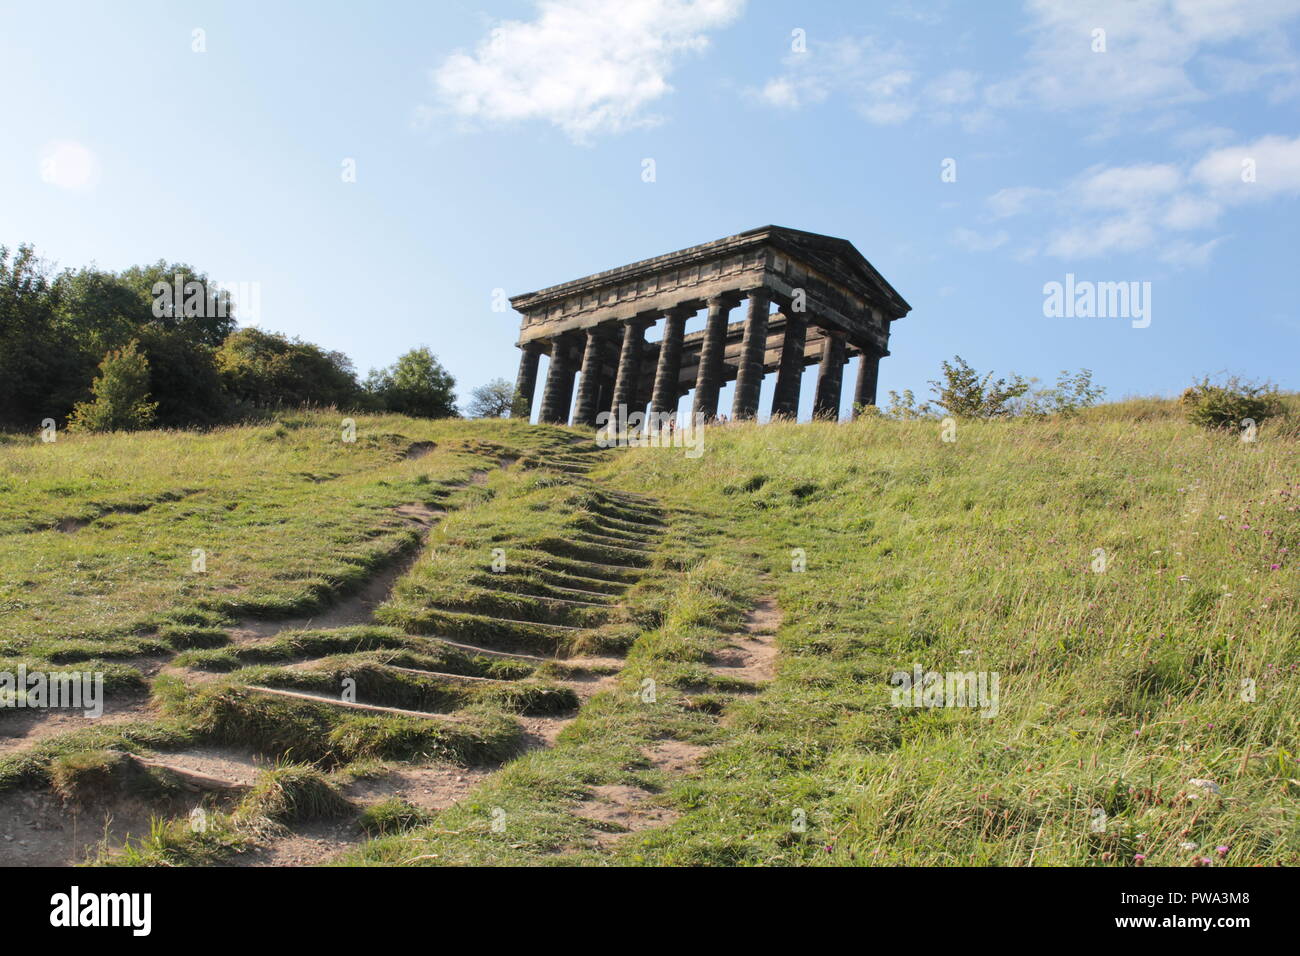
500,145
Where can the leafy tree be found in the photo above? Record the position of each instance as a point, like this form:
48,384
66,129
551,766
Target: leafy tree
1229,403
269,370
183,379
203,313
416,384
964,394
496,399
121,395
42,371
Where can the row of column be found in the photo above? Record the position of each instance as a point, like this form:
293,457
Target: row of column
586,353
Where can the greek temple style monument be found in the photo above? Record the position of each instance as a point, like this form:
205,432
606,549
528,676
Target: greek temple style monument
833,306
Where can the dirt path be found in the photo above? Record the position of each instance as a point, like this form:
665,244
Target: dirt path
751,654
622,809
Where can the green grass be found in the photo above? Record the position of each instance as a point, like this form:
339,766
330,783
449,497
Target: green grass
288,517
1120,681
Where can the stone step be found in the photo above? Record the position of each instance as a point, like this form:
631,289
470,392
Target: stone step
489,652
505,620
467,678
603,594
605,540
350,705
548,598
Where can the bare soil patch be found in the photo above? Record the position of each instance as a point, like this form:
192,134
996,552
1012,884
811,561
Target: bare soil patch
431,788
631,809
751,654
21,728
38,829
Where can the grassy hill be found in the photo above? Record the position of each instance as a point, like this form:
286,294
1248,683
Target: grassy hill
470,642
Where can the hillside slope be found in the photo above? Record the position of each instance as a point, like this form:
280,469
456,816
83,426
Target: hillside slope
577,655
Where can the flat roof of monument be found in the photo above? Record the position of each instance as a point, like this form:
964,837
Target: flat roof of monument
795,241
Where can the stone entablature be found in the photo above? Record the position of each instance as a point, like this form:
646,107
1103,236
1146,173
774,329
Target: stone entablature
834,306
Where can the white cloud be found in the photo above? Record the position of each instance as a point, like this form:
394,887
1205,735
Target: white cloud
1184,254
973,241
1152,206
781,93
1015,200
876,77
1150,49
580,65
1125,233
1190,212
1122,187
1272,161
68,165
953,88
1199,137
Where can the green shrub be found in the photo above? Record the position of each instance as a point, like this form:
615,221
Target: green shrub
121,391
1230,403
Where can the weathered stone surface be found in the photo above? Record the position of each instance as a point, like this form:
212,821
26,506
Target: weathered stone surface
749,373
585,406
559,384
665,394
865,391
835,305
526,380
785,401
627,383
830,378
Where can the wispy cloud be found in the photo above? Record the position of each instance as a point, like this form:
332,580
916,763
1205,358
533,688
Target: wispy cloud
1113,57
578,65
973,241
1148,52
873,74
1156,207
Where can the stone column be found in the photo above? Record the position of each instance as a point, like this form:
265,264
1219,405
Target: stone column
708,377
868,371
830,376
785,402
749,380
664,397
559,385
593,356
526,381
629,366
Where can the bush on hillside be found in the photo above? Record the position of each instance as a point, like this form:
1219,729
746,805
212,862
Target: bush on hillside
964,394
1071,393
121,395
1230,403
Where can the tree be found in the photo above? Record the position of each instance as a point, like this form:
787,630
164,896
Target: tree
42,370
964,394
269,370
496,399
416,384
121,395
